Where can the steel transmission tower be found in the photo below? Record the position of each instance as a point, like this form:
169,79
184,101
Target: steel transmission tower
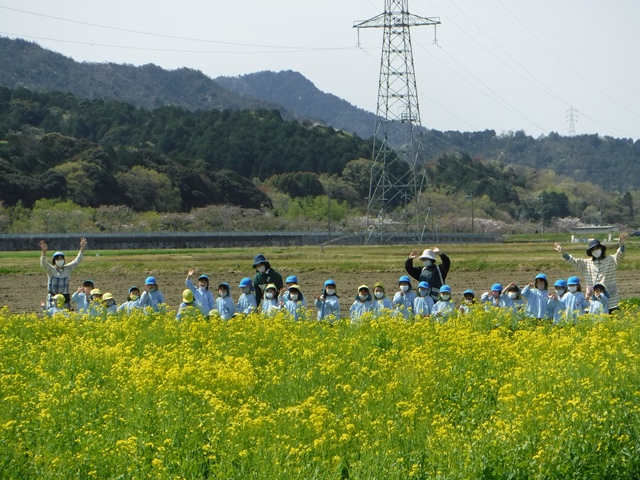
395,204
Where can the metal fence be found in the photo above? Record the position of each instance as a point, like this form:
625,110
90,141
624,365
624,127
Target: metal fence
191,240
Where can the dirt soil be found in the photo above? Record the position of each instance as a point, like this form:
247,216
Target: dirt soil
24,293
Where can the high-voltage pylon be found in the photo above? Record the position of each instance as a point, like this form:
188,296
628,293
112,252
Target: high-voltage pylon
395,204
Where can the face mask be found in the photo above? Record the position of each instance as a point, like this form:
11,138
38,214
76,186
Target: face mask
331,291
269,295
540,285
246,290
202,289
222,293
261,268
363,297
428,263
597,253
133,297
110,302
513,295
59,263
559,291
404,288
293,296
573,288
379,295
445,297
423,292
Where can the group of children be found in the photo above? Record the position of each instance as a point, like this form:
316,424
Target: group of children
566,302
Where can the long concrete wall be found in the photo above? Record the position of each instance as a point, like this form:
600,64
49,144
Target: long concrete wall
178,240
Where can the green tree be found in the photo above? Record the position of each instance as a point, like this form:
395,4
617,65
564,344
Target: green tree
147,189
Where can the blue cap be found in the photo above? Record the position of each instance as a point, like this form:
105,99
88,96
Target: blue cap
245,282
329,282
133,287
560,283
404,278
58,254
225,284
468,292
203,277
573,281
423,285
541,276
150,281
291,279
445,289
496,287
258,259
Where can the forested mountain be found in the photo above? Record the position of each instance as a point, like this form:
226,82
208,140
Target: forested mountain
96,152
605,161
298,94
26,64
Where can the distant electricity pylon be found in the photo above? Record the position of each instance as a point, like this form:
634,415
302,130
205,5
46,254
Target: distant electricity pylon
572,118
395,205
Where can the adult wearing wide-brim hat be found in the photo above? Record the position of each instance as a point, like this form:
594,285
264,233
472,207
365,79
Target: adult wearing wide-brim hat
435,275
264,276
599,267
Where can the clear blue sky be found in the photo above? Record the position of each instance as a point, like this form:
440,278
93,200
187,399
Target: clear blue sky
498,64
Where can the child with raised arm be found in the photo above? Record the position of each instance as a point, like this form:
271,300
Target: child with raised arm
598,300
537,296
496,298
201,294
82,296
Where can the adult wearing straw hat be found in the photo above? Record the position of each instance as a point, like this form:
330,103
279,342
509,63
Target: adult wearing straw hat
435,275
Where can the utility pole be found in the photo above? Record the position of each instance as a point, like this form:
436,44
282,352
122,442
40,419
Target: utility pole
397,183
472,219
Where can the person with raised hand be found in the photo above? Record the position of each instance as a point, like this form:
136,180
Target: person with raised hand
599,267
202,295
59,272
435,275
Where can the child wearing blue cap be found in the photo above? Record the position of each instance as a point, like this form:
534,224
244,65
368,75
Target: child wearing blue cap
223,305
574,300
444,306
496,298
151,297
403,299
247,301
423,303
202,296
328,303
537,296
556,305
468,300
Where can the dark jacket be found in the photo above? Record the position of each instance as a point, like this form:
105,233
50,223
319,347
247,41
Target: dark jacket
261,280
430,274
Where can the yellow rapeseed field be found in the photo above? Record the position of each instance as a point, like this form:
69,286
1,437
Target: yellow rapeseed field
482,395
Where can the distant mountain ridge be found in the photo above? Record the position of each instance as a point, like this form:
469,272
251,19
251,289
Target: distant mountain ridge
26,64
298,94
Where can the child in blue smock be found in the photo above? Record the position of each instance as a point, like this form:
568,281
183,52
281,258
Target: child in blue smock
403,299
381,304
496,298
295,304
574,300
224,306
247,301
423,303
444,307
201,294
152,297
133,300
188,309
537,296
270,304
556,305
327,303
362,304
598,300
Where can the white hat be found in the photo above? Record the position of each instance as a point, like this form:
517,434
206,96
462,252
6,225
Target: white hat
428,254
